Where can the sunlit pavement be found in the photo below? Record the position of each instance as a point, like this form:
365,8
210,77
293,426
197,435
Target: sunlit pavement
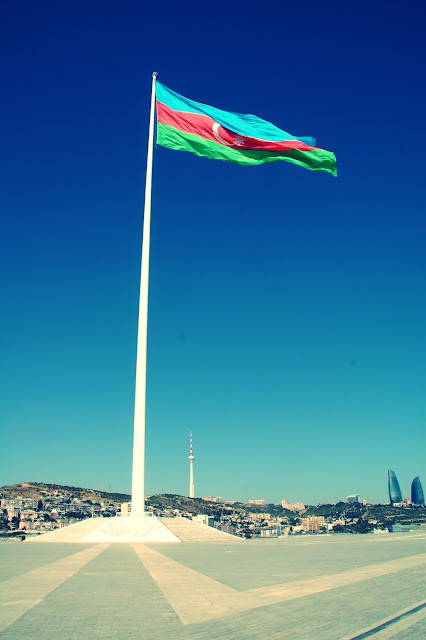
320,587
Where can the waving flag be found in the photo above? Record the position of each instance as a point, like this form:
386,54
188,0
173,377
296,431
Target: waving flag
186,125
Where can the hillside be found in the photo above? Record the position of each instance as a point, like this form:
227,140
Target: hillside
36,491
171,502
383,514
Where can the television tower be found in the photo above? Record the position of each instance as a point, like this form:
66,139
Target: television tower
191,469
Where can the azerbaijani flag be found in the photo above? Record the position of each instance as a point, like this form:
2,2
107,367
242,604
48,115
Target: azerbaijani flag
186,125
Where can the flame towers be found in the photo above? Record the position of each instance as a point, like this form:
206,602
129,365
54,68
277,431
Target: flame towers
393,486
417,495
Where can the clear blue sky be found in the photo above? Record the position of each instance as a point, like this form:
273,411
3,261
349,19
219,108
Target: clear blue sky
287,308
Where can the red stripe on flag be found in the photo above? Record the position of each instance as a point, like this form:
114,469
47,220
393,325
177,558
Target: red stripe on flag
209,129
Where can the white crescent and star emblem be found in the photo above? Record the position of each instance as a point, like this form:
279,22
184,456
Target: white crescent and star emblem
237,141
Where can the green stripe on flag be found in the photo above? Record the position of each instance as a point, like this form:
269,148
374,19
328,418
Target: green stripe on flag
315,160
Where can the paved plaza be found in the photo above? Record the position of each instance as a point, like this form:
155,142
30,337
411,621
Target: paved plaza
337,587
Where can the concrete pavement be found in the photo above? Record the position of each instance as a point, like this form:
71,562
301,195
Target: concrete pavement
319,587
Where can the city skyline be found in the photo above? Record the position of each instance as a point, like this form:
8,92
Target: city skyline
286,319
415,496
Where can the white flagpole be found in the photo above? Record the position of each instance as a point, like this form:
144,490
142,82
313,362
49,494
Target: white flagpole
138,474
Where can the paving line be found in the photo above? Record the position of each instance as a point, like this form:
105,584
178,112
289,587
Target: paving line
405,536
300,588
390,627
196,598
19,594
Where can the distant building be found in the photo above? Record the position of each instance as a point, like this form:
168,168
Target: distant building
313,524
294,506
404,528
126,508
208,521
212,499
257,502
270,532
227,527
340,522
417,495
260,516
354,498
395,495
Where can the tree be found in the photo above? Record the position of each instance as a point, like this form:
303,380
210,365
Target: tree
48,518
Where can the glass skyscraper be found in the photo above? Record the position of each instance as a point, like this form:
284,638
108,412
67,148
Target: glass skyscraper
417,495
393,486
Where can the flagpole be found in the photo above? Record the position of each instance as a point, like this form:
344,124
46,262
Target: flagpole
138,473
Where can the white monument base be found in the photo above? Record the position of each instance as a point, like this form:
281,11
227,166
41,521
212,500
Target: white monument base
132,529
110,530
